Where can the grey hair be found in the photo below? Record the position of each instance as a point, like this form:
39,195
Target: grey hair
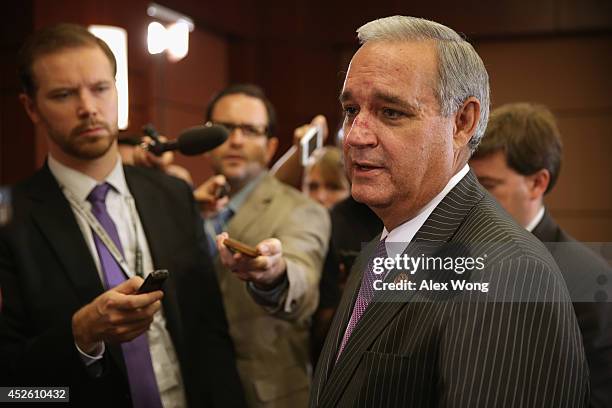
461,72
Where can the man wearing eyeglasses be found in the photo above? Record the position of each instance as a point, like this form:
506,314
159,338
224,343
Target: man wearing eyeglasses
269,315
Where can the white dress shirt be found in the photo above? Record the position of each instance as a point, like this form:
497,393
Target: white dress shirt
118,202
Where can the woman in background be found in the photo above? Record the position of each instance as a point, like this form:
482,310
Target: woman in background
324,177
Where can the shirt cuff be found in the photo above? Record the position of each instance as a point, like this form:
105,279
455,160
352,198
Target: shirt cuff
97,355
268,297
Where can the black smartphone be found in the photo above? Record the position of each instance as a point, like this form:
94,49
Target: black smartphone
154,281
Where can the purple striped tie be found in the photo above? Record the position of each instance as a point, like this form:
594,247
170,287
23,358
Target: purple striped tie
143,386
365,295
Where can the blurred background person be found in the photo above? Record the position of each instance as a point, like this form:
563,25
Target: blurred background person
325,177
269,298
518,161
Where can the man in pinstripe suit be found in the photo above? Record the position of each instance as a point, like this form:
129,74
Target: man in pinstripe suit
416,102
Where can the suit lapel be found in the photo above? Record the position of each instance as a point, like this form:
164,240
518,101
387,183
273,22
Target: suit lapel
438,228
148,208
57,223
547,230
158,230
327,360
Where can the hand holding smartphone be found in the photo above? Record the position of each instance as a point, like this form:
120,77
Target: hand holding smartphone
154,281
312,140
237,246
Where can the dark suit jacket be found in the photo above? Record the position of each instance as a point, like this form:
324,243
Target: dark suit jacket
456,349
347,237
582,269
47,273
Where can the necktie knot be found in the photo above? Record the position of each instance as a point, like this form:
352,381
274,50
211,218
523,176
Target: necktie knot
98,194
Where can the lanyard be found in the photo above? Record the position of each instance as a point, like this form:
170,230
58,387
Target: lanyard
99,230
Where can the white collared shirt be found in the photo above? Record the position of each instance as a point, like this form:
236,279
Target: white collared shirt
118,202
401,235
118,206
536,220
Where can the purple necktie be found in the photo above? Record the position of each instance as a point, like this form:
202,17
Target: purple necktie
365,295
136,355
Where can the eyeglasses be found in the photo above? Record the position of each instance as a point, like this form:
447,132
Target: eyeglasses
246,129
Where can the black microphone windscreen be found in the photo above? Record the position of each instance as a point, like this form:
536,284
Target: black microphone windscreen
200,139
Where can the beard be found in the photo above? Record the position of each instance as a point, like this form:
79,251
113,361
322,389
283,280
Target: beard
239,174
85,147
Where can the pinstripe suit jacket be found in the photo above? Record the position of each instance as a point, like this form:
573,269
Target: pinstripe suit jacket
460,351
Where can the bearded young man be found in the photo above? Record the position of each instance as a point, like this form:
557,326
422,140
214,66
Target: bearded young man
85,232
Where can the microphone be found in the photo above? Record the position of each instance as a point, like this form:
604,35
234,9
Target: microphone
192,141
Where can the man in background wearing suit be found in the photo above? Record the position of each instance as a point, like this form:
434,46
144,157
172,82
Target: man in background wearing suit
86,230
416,102
518,161
269,315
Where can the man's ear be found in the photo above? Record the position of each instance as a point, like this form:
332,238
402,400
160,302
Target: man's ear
271,146
30,107
538,183
466,121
